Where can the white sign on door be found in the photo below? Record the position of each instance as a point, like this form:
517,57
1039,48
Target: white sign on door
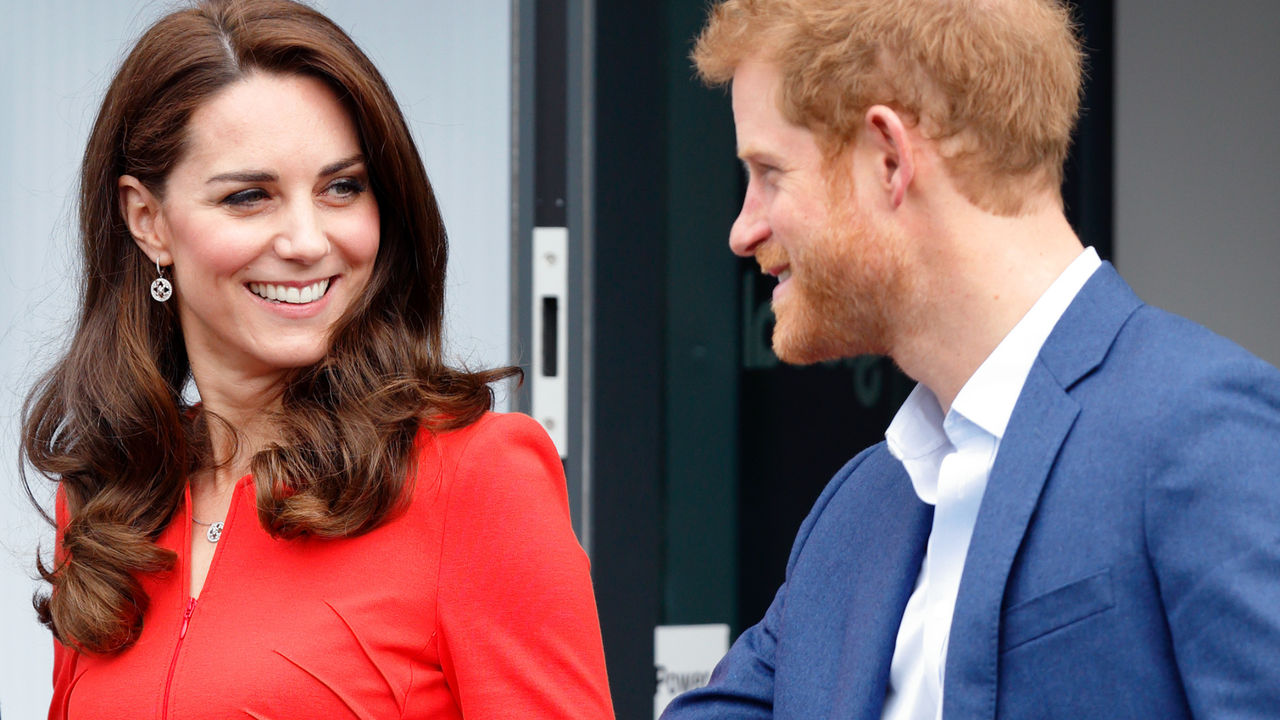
683,657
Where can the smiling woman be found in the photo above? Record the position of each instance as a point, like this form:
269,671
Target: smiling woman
339,528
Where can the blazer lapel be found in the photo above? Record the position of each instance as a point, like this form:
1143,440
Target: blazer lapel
1040,424
891,519
1026,455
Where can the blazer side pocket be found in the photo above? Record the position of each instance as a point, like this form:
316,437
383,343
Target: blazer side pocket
1056,609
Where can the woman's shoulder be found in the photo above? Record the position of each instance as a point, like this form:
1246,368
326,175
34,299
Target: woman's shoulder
492,433
502,457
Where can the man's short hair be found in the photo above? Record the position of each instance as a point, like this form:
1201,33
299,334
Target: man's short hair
996,82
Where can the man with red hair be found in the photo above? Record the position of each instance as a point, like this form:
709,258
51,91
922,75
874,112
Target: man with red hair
1076,512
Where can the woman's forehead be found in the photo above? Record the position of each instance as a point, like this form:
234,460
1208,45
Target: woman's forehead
294,121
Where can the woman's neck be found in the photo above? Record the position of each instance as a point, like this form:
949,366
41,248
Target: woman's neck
244,407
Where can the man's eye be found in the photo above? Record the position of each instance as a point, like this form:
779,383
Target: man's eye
764,172
245,197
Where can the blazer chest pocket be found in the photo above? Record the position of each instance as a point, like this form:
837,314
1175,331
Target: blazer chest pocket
1056,609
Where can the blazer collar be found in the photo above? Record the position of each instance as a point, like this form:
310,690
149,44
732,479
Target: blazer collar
1086,331
1041,422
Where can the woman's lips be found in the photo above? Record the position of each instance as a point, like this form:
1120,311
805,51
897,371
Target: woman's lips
299,309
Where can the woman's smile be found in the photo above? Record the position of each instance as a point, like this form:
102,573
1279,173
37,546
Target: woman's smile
292,300
291,292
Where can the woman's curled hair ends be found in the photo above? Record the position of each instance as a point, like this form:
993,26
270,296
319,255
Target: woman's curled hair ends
109,422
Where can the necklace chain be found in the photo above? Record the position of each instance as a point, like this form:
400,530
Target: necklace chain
214,533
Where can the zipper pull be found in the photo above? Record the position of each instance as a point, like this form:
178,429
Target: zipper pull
186,617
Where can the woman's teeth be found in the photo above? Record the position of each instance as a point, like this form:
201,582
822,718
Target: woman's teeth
292,295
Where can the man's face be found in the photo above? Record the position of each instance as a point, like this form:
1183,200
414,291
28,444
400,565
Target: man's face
840,272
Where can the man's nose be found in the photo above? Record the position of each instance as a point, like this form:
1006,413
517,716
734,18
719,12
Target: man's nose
302,238
750,229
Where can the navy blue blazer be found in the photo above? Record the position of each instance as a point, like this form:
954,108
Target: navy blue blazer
1125,561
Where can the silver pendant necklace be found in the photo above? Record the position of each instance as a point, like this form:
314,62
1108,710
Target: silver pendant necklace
215,530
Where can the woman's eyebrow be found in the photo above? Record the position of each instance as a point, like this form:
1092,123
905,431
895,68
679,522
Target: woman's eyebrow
262,176
247,176
341,165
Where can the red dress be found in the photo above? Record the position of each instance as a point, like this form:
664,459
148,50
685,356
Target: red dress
476,602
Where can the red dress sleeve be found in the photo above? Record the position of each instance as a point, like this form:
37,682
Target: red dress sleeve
518,632
64,658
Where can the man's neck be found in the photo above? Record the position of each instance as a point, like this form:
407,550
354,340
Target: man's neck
980,276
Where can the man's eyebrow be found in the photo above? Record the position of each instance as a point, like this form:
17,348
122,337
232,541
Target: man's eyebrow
339,166
245,176
755,153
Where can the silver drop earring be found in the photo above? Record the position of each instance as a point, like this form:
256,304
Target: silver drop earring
161,289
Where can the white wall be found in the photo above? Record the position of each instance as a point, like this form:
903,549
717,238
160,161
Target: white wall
1198,162
449,64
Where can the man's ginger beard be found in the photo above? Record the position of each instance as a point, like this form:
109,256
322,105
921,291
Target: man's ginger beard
848,290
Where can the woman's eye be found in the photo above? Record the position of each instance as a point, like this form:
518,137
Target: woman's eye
245,197
346,188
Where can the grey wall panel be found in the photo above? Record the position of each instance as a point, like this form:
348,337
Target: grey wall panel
1198,162
449,64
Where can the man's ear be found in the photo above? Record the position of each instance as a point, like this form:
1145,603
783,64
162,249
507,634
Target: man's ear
895,165
141,210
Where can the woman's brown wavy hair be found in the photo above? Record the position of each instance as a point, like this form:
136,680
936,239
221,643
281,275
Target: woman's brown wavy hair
109,422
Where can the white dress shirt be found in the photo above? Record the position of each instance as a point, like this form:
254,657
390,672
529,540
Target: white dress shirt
949,460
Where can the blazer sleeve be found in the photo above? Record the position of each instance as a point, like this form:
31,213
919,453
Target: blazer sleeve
742,684
1212,521
518,631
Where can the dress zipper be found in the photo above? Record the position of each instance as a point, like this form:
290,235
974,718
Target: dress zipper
173,664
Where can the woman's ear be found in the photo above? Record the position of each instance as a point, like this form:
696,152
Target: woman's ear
141,210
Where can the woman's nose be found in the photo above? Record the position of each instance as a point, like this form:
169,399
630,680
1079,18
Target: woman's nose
303,238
